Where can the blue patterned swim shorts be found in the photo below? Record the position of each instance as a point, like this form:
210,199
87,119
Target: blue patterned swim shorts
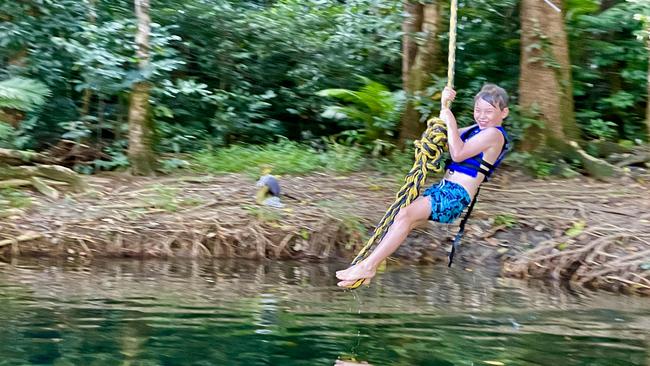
448,200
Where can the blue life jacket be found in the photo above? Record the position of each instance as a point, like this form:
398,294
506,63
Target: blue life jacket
472,166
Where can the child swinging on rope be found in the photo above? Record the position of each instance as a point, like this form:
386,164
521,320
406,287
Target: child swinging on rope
475,151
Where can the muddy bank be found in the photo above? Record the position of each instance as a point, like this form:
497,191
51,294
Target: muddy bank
593,233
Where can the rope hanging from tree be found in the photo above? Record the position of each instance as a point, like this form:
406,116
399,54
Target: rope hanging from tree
428,157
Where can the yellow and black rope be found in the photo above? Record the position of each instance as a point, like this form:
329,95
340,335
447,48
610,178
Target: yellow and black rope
428,157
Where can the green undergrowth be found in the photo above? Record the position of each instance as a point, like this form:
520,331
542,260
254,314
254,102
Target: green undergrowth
289,157
12,198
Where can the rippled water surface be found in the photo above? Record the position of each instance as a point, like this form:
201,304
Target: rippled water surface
246,313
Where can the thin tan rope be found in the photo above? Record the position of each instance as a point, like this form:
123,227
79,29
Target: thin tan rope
451,60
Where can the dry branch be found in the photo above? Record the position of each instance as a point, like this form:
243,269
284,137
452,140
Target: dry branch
53,172
21,238
19,157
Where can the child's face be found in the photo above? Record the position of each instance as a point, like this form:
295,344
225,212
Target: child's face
486,115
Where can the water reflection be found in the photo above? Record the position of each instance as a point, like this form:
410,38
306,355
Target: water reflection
247,313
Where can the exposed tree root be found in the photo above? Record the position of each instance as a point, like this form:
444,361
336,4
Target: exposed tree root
174,218
592,233
604,245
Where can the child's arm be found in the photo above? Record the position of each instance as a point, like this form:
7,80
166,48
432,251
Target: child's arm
484,140
453,135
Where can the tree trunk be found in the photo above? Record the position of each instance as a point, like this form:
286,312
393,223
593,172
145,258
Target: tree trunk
425,59
606,4
647,118
88,93
141,154
412,24
418,62
545,82
85,102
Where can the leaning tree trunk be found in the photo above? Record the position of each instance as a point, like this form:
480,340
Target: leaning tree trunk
545,83
141,154
418,61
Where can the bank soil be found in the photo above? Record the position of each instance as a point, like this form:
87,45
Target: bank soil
590,233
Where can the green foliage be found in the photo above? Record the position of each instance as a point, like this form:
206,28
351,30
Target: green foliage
176,137
642,14
77,130
104,56
576,229
397,163
232,72
22,94
7,135
11,198
118,159
25,38
263,64
373,111
597,128
266,214
487,51
242,116
286,157
610,70
506,220
170,165
342,159
427,102
535,165
167,198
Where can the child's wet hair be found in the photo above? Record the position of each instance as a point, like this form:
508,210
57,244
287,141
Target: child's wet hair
493,94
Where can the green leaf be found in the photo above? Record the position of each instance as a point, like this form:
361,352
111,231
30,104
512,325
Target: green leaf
333,112
163,111
562,246
577,229
343,94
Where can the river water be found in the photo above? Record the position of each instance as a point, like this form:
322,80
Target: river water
289,313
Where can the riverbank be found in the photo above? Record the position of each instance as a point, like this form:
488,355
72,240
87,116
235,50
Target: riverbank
593,233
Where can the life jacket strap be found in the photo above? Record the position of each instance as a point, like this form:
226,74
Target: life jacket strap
487,169
456,243
481,166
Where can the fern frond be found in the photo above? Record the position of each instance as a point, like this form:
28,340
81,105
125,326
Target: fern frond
22,94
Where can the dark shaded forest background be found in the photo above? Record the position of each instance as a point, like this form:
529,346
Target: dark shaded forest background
216,82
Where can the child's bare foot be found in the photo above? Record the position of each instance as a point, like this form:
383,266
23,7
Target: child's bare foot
358,271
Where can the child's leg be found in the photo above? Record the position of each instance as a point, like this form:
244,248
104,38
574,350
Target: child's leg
408,218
